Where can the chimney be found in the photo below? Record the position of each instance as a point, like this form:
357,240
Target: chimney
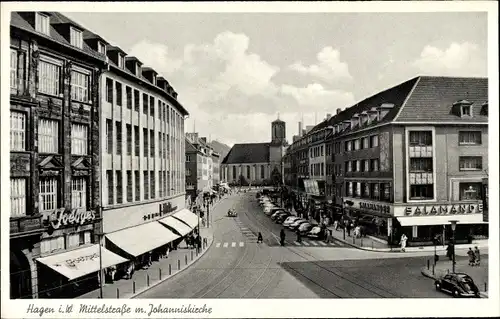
339,110
300,129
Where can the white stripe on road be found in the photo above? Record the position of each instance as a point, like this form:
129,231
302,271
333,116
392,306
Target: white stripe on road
305,243
217,245
296,243
314,243
225,245
233,244
242,244
322,243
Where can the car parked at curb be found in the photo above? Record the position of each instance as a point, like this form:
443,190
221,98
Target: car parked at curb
316,233
297,223
290,220
457,284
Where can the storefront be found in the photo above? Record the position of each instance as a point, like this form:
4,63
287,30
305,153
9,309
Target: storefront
375,217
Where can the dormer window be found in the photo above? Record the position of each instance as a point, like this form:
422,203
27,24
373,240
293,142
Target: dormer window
462,108
42,23
465,110
101,48
137,69
76,37
484,109
121,61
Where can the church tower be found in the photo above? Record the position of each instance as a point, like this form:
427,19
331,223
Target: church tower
278,132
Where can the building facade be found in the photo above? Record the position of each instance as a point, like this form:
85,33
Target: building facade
412,158
54,139
257,163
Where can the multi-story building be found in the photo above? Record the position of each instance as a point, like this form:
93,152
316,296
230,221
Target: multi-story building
54,147
257,163
413,158
142,154
215,168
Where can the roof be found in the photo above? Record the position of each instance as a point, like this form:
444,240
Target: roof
17,21
115,48
278,121
433,98
88,35
58,18
247,154
148,69
190,148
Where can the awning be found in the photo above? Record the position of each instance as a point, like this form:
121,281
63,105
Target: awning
143,238
80,262
187,217
440,220
176,224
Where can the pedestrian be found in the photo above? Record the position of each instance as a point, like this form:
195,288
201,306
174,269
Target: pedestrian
282,237
403,242
478,256
336,225
259,238
348,229
449,251
299,239
472,258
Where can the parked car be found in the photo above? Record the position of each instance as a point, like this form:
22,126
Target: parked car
316,232
273,210
458,284
267,209
290,220
281,218
305,228
279,213
232,213
297,223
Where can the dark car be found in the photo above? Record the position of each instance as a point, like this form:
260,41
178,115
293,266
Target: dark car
458,284
279,214
281,218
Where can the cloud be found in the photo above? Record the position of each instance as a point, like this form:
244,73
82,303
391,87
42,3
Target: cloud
459,59
230,91
328,68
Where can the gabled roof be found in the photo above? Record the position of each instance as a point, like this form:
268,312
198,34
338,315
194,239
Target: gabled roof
88,35
248,153
190,148
433,99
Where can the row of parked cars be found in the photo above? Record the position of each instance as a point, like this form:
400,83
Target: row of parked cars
285,218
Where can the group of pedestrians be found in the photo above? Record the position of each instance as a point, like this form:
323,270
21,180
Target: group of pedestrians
474,257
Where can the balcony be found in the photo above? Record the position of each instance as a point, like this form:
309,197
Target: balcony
422,178
421,151
26,225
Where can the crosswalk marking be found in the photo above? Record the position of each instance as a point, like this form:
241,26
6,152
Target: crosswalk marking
305,243
322,243
314,243
233,244
296,243
230,244
225,245
242,244
217,245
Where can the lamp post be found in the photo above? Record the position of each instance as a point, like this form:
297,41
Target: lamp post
101,270
453,227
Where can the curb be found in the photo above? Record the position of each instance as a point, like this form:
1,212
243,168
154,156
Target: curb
210,242
428,274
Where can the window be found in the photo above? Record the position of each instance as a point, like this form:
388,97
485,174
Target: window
234,173
76,38
119,95
137,180
349,166
375,191
17,131
109,181
79,137
422,191
188,172
151,106
420,164
137,101
152,183
358,166
188,158
322,173
470,191
136,141
262,171
160,145
79,192
145,103
121,63
129,186
48,136
42,23
471,163
160,182
357,143
101,48
321,150
420,138
118,127
349,188
128,93
366,166
366,142
248,172
465,110
146,185
385,191
17,197
85,237
79,86
348,146
358,189
48,78
73,240
374,141
51,244
152,143
469,137
128,129
366,190
109,136
48,194
374,165
13,68
109,90
119,187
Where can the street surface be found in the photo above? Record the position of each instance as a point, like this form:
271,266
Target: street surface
237,267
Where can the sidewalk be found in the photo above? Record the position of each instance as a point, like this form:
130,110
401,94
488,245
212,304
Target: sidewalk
478,273
144,279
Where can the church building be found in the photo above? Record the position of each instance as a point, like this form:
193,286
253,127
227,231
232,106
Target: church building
256,163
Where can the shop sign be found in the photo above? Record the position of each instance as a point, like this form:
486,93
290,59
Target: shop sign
459,209
380,208
165,208
74,261
62,217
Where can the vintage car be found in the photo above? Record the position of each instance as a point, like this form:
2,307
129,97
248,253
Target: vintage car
231,213
458,284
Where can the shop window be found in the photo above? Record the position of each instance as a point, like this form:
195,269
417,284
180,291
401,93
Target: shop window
85,237
49,245
421,192
73,240
470,191
420,138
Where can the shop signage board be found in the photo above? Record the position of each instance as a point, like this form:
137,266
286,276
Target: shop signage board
66,218
370,206
439,209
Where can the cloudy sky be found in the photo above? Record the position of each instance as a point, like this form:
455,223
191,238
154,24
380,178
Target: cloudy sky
235,72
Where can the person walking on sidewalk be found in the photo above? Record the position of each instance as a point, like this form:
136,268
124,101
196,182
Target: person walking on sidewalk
478,256
348,228
282,237
259,238
472,257
403,241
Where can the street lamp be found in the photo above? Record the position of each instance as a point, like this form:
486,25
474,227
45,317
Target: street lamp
453,227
